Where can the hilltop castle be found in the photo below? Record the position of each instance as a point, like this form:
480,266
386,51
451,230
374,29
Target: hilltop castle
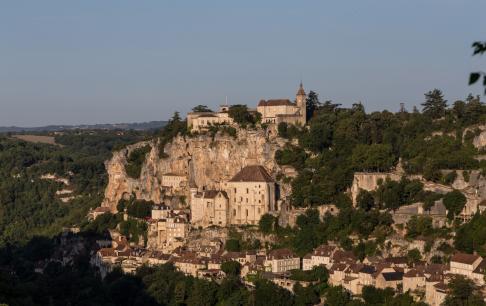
273,111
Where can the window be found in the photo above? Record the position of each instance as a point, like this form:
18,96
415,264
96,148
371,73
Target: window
246,200
234,212
247,190
247,212
235,190
258,210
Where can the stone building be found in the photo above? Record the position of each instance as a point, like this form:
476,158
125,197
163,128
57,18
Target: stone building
438,213
210,207
246,197
283,110
281,260
201,121
252,193
174,182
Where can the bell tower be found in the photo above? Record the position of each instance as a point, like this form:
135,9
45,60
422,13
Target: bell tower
301,103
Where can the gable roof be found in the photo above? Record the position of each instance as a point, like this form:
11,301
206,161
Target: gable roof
281,254
211,194
465,258
275,102
252,174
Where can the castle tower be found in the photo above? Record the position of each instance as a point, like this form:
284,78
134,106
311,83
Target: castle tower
301,101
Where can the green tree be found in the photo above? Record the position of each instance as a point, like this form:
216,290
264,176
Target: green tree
414,256
267,223
454,201
375,157
240,114
365,200
201,109
312,104
434,106
336,296
463,291
231,268
232,245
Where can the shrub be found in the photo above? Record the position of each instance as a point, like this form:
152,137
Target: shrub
135,160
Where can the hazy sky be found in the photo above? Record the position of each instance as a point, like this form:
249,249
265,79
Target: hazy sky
106,61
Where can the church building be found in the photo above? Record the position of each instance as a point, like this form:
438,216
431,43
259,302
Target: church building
283,110
244,199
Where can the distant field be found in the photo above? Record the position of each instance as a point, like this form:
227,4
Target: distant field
37,139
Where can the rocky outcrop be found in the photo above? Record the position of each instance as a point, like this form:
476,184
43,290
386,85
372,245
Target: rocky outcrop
479,140
369,181
204,160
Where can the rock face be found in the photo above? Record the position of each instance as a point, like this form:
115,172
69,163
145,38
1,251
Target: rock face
369,181
205,161
474,189
479,140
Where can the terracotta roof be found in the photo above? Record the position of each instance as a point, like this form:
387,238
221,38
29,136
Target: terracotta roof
105,252
252,174
281,254
340,256
464,258
414,273
338,267
102,209
275,102
324,250
435,269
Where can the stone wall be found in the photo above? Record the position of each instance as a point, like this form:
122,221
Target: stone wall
369,181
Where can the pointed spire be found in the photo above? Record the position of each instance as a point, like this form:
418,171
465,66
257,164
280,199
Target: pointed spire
301,91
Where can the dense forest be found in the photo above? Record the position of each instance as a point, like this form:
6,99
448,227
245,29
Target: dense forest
29,205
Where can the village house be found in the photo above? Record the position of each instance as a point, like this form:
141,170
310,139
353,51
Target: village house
281,260
466,264
209,207
201,121
435,290
320,256
389,278
160,211
173,182
189,264
168,230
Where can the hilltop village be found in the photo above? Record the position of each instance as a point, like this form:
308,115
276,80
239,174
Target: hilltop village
224,195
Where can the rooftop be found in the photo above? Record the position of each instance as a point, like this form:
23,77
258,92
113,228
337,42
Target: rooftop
252,174
465,258
275,102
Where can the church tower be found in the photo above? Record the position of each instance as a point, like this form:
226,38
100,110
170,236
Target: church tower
301,102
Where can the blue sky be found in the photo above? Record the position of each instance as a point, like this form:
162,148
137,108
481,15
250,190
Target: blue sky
92,61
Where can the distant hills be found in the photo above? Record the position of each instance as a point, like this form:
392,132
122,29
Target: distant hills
140,126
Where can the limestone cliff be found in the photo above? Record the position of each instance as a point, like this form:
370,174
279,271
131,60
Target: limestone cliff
205,161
